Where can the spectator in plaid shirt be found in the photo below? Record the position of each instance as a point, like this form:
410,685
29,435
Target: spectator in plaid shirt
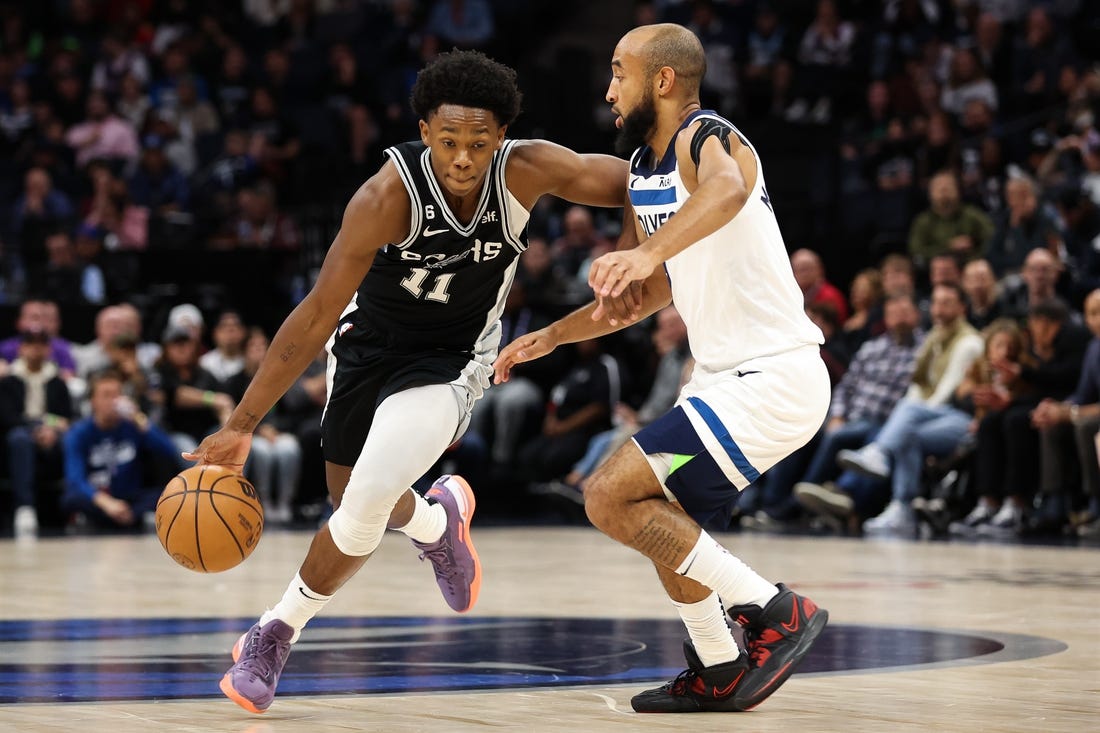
876,379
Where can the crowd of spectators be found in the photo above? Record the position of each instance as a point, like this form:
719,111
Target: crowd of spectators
952,189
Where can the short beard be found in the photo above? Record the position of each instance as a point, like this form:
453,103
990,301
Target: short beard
636,127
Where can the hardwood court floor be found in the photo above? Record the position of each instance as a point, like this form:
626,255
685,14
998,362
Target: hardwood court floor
1042,603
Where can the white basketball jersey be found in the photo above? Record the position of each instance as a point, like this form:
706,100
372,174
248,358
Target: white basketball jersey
735,288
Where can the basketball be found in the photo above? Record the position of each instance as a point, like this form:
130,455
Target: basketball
209,519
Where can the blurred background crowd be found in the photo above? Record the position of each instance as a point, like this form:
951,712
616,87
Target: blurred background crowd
172,172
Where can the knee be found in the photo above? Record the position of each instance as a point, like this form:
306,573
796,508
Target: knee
598,500
353,536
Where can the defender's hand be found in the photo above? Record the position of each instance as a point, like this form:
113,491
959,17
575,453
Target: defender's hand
613,272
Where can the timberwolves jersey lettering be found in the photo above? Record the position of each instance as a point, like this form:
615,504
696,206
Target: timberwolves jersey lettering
444,286
734,288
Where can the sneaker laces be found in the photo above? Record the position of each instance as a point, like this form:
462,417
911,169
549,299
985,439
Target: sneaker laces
260,655
442,559
681,683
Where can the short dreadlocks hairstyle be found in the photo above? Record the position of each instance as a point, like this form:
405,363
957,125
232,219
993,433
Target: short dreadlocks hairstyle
468,79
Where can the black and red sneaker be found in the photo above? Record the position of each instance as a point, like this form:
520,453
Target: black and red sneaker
777,637
697,689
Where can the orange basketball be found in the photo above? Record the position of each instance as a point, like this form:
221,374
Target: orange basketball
209,519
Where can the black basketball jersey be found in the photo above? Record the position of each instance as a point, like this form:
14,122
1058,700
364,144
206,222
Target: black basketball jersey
444,286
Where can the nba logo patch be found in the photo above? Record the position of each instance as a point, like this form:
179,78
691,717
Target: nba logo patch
344,328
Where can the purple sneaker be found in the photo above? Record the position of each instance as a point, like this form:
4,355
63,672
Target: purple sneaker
259,655
457,569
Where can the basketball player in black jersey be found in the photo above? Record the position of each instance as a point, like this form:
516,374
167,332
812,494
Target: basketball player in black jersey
408,301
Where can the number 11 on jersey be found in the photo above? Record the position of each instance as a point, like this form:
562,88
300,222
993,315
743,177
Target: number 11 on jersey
438,292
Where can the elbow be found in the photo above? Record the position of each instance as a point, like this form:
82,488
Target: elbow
733,197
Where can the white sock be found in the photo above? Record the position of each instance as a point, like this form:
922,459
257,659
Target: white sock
706,624
428,522
300,603
712,565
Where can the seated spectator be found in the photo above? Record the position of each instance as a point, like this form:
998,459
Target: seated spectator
1007,451
280,143
866,298
189,318
275,461
227,357
195,404
92,356
1037,284
923,422
36,314
191,119
994,392
967,81
259,224
948,225
106,458
809,272
137,380
103,136
35,412
124,225
147,351
983,300
157,184
580,406
232,87
230,172
133,104
66,279
1082,220
1067,431
1021,228
118,60
40,210
944,269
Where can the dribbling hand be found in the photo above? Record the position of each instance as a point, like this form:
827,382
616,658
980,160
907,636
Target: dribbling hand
227,448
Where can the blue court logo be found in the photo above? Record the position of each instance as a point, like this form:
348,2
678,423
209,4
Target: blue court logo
78,660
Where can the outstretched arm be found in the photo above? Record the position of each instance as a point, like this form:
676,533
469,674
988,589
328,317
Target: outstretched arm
539,167
377,214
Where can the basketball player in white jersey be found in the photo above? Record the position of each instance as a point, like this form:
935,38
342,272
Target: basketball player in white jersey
409,300
711,245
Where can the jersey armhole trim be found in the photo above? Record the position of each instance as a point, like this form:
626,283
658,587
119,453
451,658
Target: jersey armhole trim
503,195
417,209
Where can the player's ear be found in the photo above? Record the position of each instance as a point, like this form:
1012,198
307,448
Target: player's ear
500,135
665,78
424,129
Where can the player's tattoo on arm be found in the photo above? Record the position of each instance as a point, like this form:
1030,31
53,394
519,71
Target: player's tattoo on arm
288,351
253,420
660,544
